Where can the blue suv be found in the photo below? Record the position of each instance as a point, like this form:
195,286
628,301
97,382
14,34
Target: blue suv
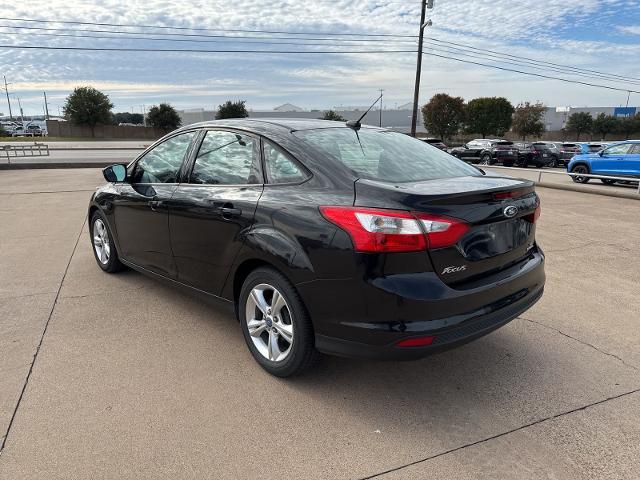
618,160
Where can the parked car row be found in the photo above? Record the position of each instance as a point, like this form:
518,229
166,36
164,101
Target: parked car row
20,130
509,154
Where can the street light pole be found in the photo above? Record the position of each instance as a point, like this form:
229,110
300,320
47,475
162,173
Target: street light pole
416,91
6,90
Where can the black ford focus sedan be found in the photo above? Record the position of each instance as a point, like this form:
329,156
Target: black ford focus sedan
324,237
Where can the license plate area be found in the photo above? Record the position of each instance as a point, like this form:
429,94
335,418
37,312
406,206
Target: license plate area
498,238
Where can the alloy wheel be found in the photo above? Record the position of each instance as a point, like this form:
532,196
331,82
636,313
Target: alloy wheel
269,322
101,241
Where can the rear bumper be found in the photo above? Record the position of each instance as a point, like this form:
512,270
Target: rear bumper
445,339
367,317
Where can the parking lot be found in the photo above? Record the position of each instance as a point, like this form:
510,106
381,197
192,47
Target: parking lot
135,379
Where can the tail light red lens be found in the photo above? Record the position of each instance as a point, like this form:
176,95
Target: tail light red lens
379,230
533,217
442,231
415,342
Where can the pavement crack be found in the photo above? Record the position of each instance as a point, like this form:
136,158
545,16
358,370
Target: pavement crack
44,332
583,343
498,435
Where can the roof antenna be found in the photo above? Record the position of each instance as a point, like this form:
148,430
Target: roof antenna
355,124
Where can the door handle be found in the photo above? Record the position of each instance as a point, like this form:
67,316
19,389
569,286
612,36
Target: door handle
228,211
154,204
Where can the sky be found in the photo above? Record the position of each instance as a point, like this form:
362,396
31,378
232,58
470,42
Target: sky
601,35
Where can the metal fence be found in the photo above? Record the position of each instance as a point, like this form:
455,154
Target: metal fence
19,151
540,172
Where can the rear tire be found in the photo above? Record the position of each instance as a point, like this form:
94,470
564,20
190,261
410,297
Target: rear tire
104,248
580,169
485,159
284,321
554,161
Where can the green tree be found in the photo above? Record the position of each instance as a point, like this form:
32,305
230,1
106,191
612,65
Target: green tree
489,116
231,109
164,117
331,115
527,119
444,115
629,125
605,124
579,122
89,107
126,117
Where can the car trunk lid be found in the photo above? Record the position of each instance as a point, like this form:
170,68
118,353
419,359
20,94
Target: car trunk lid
498,212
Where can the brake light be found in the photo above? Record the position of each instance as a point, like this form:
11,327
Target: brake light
442,231
377,230
505,195
533,217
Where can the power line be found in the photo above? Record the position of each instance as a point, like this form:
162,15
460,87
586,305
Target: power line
241,40
523,63
197,50
532,59
531,73
120,32
70,22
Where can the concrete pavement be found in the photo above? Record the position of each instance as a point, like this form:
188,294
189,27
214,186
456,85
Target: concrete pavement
137,380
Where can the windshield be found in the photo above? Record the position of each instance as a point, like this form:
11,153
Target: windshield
386,156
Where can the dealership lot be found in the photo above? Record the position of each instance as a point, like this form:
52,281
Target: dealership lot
136,379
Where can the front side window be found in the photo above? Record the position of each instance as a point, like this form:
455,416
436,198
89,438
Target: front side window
384,155
280,168
226,158
621,149
635,149
162,163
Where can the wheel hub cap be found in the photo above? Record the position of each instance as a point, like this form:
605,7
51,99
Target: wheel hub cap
269,322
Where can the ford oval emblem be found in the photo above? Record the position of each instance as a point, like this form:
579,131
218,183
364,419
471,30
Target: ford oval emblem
510,211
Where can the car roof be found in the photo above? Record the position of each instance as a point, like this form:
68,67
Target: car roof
275,124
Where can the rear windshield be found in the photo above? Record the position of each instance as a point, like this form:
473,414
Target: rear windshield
386,156
504,143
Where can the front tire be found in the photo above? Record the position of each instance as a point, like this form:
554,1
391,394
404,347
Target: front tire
104,249
275,324
580,169
608,181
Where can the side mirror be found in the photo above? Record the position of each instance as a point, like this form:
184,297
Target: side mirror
115,173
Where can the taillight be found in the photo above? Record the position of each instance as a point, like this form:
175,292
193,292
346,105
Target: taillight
533,217
379,230
509,194
442,231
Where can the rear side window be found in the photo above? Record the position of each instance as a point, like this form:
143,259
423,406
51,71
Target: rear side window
226,158
383,155
635,149
162,163
280,167
618,149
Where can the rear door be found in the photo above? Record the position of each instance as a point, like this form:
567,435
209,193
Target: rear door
613,160
633,160
214,206
140,210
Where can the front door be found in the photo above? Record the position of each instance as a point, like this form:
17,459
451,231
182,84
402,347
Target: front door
141,210
214,206
612,161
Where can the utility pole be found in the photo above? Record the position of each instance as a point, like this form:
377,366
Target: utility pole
628,95
144,115
416,92
46,107
21,112
6,90
381,90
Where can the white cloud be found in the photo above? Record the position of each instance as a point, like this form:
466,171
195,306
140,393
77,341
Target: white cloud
546,29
